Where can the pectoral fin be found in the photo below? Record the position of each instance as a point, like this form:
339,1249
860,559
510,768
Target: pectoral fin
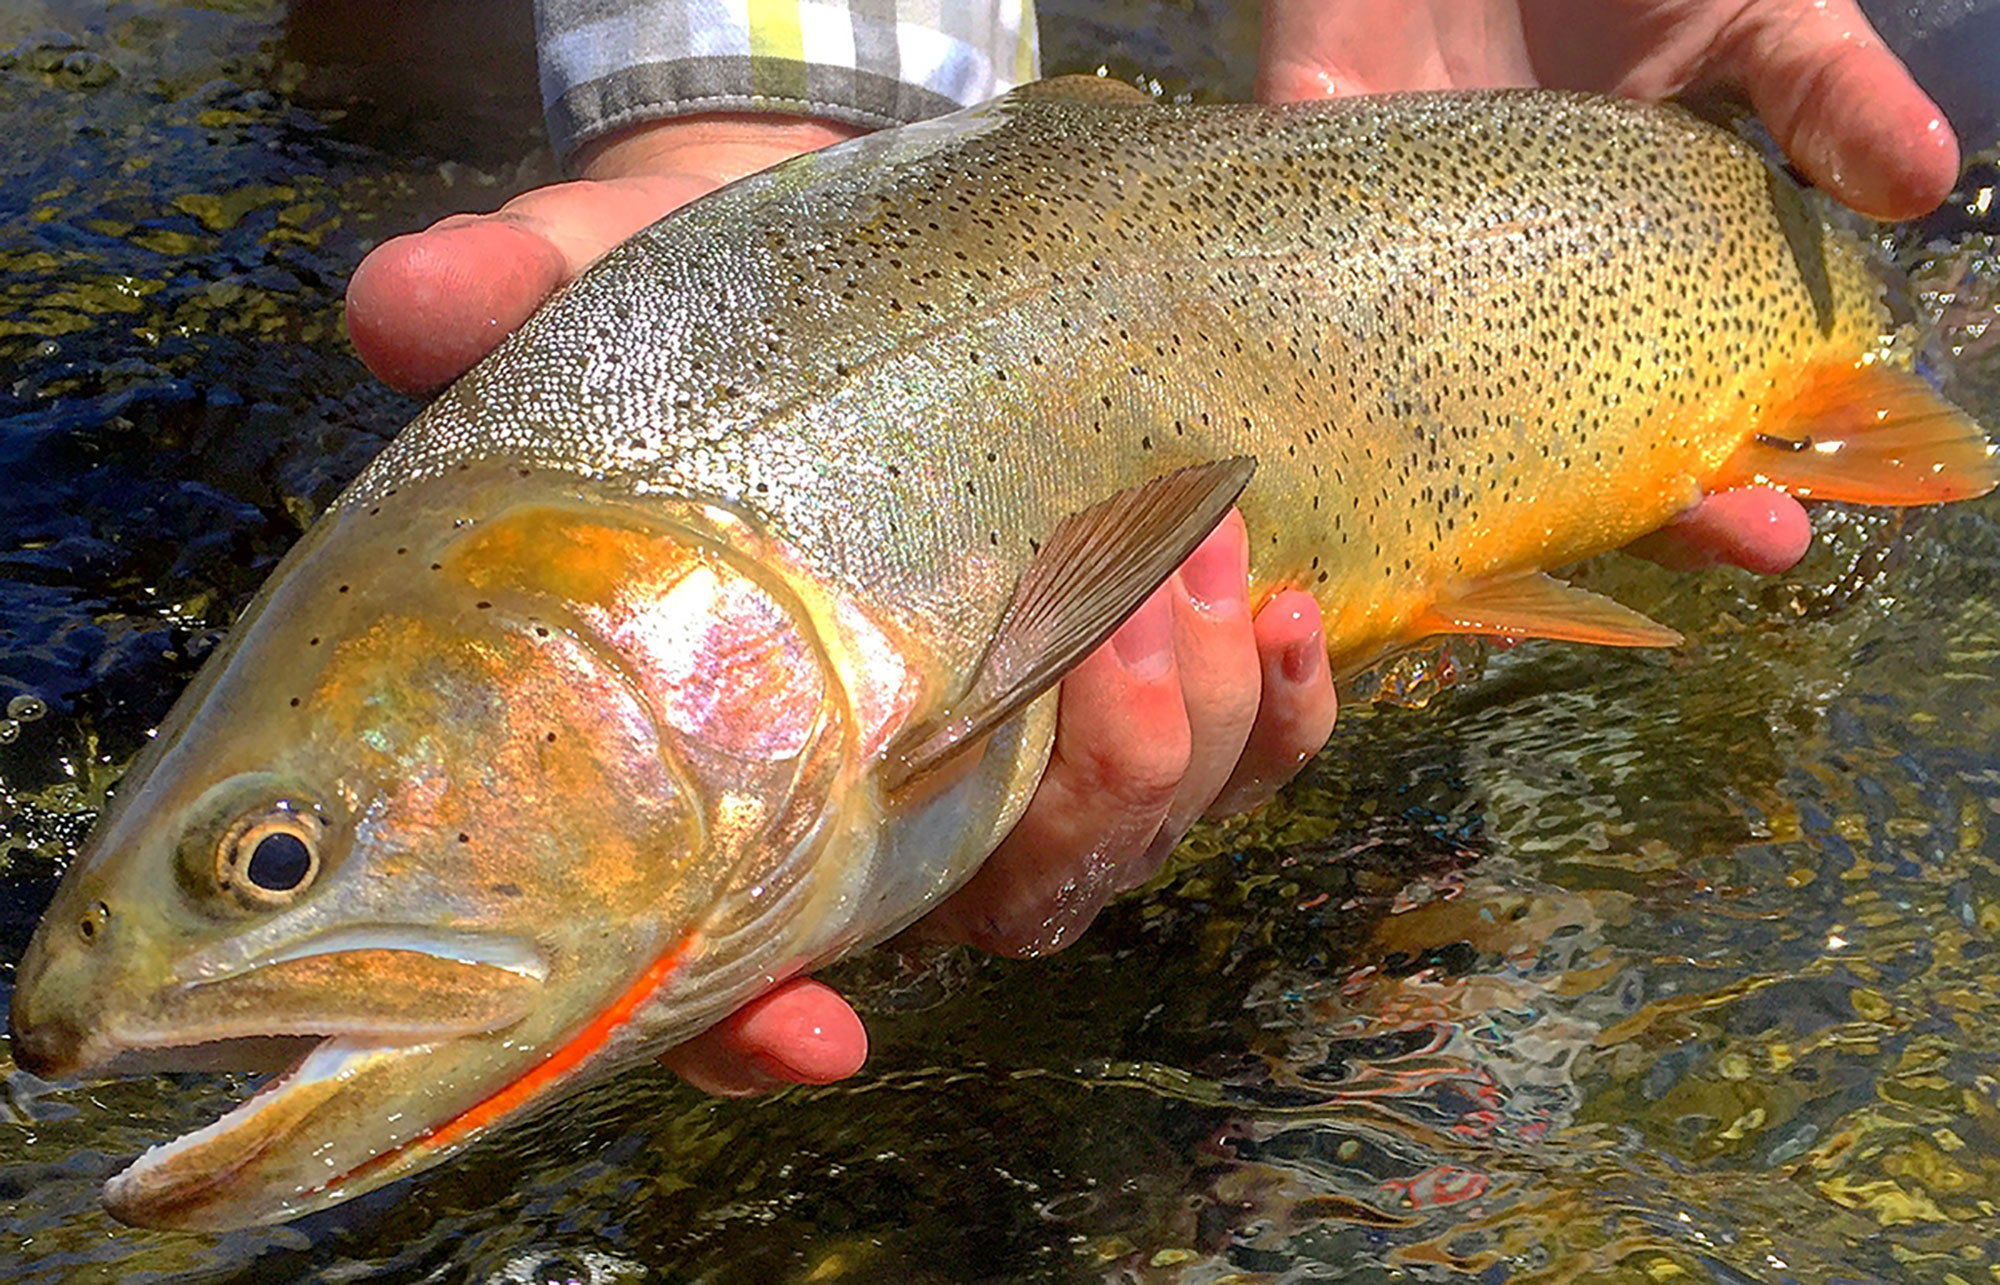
1095,570
1867,434
1539,606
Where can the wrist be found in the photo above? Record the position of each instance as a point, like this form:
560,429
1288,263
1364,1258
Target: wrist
721,146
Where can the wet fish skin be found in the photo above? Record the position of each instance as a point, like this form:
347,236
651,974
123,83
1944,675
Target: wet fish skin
1465,304
585,698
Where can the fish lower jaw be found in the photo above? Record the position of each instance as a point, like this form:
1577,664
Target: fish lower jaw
198,1181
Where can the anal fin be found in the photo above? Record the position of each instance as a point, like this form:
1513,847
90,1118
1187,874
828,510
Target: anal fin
1540,606
1868,434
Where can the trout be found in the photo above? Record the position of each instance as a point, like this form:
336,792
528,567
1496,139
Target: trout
707,631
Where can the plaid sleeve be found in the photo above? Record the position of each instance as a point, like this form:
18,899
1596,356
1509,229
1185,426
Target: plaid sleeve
607,64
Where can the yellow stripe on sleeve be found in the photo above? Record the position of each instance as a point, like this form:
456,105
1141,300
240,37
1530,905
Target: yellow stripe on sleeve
777,49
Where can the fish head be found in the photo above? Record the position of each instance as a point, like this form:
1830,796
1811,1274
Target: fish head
483,794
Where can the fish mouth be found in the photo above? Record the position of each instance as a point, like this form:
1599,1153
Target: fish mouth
194,1182
255,1054
358,1110
383,985
368,1034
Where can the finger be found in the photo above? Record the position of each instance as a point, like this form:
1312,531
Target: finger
1754,527
1215,651
715,146
801,1033
1842,106
1121,748
1296,713
423,308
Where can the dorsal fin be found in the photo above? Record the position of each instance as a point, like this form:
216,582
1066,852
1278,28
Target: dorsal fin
1096,569
1084,89
1806,237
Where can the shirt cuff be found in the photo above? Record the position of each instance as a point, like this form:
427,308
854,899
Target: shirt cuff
608,64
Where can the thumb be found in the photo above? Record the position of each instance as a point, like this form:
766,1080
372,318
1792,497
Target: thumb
422,308
1842,106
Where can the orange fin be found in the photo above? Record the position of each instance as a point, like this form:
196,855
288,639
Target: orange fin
1539,606
1867,434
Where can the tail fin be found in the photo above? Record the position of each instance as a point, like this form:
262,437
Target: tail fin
1867,434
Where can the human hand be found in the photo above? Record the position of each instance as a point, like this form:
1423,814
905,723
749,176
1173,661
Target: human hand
1193,705
1839,103
423,308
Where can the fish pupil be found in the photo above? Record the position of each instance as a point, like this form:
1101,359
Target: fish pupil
279,862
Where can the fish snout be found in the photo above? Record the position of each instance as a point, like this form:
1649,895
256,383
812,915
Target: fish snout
46,1037
52,1023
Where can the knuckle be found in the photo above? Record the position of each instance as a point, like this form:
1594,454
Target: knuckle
1140,772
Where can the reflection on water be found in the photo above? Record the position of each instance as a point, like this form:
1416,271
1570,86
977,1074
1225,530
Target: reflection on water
1604,967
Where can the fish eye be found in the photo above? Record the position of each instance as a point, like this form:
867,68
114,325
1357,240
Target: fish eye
270,857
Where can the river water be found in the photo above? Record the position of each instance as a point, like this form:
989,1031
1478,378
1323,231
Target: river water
1603,967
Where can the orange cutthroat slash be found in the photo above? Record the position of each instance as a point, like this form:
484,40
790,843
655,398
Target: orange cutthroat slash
706,631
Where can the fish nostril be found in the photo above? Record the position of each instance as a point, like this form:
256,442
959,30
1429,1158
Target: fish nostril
93,924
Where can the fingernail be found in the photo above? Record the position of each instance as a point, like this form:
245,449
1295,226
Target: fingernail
1142,869
1303,658
767,1073
746,1079
1216,576
1144,644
